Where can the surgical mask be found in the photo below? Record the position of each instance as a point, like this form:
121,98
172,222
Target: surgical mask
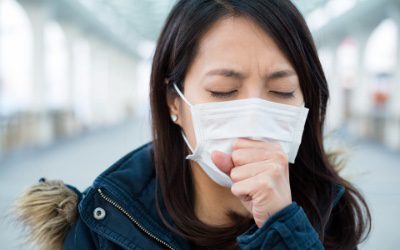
217,124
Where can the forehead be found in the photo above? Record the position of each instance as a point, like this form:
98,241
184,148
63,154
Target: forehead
238,40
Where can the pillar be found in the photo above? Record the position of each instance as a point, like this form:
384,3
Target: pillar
361,100
335,104
392,126
41,129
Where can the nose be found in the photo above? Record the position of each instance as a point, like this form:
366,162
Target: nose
254,89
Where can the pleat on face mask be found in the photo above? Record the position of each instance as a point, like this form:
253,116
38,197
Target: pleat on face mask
217,124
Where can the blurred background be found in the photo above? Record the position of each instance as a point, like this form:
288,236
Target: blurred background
74,80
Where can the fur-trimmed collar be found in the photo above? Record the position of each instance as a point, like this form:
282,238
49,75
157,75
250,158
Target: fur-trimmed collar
47,210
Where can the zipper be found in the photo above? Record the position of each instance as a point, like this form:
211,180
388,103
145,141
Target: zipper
119,207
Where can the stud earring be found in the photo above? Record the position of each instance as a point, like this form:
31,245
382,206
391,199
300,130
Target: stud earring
174,118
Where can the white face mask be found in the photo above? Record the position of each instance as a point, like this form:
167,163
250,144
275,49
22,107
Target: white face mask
216,125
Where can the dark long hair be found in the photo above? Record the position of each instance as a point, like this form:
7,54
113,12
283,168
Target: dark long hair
313,177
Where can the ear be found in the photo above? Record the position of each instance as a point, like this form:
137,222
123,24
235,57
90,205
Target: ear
174,105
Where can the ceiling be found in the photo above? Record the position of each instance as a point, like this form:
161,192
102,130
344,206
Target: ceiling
145,17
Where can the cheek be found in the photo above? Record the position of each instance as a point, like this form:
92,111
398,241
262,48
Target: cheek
187,125
299,98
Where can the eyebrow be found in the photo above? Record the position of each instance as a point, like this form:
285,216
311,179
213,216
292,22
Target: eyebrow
227,73
238,75
280,74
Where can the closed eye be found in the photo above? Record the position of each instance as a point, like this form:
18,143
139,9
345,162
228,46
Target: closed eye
223,94
283,94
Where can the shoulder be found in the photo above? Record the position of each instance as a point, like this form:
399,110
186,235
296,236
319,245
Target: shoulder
132,172
56,205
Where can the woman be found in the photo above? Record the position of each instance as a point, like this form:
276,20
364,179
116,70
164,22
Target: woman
238,101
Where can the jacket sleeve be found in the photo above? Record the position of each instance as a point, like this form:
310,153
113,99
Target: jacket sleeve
287,229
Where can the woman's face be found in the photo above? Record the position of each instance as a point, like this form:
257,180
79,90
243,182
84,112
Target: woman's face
236,60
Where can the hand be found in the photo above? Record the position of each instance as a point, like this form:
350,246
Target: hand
260,174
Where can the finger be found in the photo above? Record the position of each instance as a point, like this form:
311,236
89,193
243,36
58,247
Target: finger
251,186
249,170
245,188
223,161
245,156
242,189
250,143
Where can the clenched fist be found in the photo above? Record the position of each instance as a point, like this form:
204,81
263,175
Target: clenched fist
260,174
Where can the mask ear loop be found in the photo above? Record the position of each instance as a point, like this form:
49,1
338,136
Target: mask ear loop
181,95
187,142
190,105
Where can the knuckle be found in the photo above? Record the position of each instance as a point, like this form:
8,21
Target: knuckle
236,143
264,184
236,159
277,170
282,157
234,175
277,146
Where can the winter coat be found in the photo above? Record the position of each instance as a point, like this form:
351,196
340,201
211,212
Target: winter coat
118,211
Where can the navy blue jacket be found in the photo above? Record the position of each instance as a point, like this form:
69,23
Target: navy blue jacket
118,212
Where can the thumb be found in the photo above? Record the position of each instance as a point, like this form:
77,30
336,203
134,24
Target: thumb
223,161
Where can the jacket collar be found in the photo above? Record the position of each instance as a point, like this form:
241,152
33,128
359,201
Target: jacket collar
127,188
